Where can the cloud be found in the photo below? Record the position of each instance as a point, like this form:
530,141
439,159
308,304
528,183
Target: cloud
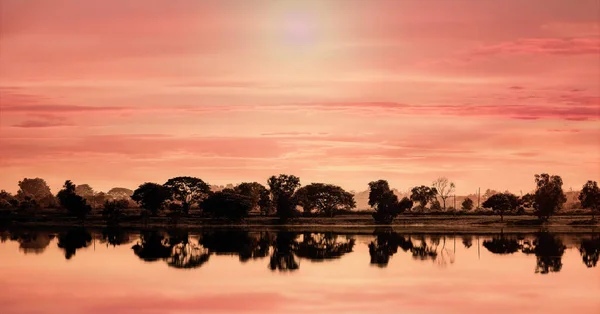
551,46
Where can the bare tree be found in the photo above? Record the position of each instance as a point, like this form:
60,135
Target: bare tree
444,188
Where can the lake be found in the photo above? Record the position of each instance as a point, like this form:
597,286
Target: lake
278,271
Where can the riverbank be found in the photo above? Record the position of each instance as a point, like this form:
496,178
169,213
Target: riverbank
360,222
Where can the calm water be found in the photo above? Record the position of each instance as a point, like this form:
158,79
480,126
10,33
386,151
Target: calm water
79,271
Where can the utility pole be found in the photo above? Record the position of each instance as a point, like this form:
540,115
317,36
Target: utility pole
478,196
454,201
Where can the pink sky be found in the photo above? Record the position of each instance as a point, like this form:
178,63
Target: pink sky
115,93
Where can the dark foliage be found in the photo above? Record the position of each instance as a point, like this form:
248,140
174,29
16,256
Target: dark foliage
73,240
151,196
423,195
549,196
227,204
73,203
283,188
326,199
590,197
188,191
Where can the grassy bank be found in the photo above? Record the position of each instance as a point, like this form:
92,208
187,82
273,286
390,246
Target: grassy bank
405,222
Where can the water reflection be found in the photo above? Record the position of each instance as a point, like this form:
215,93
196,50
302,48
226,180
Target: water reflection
74,239
286,249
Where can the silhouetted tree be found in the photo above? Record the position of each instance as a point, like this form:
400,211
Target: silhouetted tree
8,201
423,195
319,247
548,250
282,257
188,191
590,251
119,193
73,203
467,204
549,196
325,198
501,202
227,204
36,189
85,191
28,204
590,197
258,194
385,202
113,210
282,190
444,188
74,239
151,197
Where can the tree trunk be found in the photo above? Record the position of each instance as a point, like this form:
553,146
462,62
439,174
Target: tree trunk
501,215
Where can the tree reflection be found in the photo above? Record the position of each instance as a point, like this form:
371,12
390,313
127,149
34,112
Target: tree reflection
74,239
385,245
282,257
548,250
425,251
176,249
467,241
32,242
323,246
590,251
502,245
152,246
114,236
236,242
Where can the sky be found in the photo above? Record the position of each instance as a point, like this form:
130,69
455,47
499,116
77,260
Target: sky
117,93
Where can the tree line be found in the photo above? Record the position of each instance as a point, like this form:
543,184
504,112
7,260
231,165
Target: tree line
283,196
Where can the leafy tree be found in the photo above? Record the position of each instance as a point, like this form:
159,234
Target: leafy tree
227,204
385,202
467,204
36,189
444,188
501,202
187,190
7,200
282,190
113,210
85,191
28,203
119,193
73,203
258,194
549,196
423,195
151,197
325,198
590,197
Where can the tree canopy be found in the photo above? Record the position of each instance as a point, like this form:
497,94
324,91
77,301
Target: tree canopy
187,190
549,196
385,202
444,188
258,194
282,190
227,204
501,202
324,198
590,196
73,203
423,195
151,197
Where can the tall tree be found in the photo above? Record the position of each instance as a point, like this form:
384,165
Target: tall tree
385,202
87,192
324,198
423,195
151,197
444,188
282,190
549,196
501,202
35,188
187,190
73,203
590,197
258,194
467,204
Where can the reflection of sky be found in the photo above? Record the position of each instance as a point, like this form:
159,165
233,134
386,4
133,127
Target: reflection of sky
101,279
